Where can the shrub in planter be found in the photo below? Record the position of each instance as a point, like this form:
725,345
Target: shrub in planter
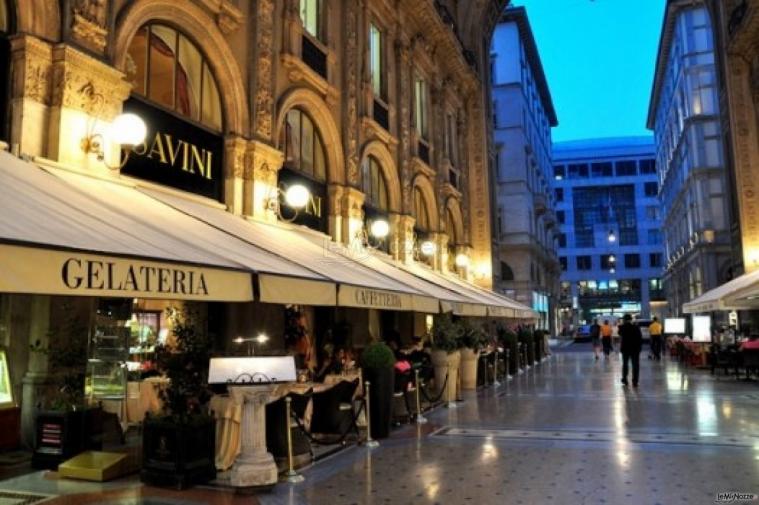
526,338
445,356
508,339
471,340
178,445
377,361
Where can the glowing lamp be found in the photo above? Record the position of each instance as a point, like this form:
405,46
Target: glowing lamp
297,196
428,248
380,229
128,129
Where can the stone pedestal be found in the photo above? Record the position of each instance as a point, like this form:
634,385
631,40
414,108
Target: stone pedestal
255,465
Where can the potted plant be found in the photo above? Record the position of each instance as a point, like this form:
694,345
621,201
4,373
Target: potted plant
445,355
508,339
178,445
377,361
526,339
65,425
471,340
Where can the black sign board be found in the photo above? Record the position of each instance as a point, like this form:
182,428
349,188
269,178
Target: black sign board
315,214
176,153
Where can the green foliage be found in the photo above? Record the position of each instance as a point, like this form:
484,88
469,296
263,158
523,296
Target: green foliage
471,336
66,353
509,340
185,364
445,334
378,355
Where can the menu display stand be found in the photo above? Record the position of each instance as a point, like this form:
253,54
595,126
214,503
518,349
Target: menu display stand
252,383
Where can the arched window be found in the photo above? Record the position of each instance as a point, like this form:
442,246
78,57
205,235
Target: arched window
167,68
507,274
420,211
375,188
302,143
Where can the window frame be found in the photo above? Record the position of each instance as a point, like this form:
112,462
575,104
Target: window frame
319,14
315,143
372,173
382,93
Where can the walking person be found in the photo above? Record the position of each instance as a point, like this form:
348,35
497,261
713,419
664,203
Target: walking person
606,338
630,346
595,338
655,331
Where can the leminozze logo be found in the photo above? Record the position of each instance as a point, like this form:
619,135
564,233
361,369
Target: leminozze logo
733,497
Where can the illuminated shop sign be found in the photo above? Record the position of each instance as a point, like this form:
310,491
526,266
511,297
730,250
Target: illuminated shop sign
314,214
176,153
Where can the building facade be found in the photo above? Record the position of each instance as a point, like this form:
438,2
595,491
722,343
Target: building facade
379,109
610,241
525,263
684,114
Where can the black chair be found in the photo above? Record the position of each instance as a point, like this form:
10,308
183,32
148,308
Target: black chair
725,358
333,410
276,434
750,359
402,408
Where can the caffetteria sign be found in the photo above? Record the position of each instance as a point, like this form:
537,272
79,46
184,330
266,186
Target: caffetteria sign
176,153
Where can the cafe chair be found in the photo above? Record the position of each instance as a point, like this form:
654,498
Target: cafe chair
333,411
750,358
403,396
276,434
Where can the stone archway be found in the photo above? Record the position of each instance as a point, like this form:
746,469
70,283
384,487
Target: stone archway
422,182
456,235
320,113
201,28
379,151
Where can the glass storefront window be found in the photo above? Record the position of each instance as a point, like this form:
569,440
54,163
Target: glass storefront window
167,68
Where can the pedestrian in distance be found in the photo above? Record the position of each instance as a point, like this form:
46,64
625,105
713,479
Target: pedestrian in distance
606,332
630,346
595,338
655,331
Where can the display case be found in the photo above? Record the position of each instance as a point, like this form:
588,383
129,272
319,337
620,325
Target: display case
10,414
108,354
145,332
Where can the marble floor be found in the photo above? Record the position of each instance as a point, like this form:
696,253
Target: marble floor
563,432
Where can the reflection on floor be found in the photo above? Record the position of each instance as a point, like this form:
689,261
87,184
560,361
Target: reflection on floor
565,432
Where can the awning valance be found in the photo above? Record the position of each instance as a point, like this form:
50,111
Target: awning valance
738,294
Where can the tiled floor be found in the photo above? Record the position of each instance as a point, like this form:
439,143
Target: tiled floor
565,432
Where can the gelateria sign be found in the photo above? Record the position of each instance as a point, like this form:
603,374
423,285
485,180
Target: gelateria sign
42,271
176,153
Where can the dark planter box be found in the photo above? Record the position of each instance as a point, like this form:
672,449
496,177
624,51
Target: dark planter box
381,399
178,454
61,435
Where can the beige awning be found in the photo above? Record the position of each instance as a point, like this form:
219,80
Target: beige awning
359,285
741,293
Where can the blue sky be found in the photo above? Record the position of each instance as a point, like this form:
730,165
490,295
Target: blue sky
598,56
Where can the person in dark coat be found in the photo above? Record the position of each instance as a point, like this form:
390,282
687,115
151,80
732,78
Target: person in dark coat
631,344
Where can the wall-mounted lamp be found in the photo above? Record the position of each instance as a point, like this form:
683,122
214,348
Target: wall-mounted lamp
612,270
379,229
127,130
462,260
427,248
261,338
296,197
612,258
612,236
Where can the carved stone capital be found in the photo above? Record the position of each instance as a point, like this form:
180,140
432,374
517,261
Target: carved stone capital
235,156
263,162
84,83
32,68
88,34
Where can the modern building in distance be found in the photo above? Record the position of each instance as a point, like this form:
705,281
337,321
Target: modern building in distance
610,241
524,250
684,113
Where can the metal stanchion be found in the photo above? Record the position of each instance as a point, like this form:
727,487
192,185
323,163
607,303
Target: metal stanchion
292,475
369,442
451,404
508,364
420,419
520,359
496,382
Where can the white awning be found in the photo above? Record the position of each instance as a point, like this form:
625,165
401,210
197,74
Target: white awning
359,285
738,294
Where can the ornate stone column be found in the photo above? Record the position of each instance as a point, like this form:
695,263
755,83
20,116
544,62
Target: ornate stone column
441,258
465,272
335,221
86,95
255,465
405,234
263,127
352,214
234,173
32,61
260,180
